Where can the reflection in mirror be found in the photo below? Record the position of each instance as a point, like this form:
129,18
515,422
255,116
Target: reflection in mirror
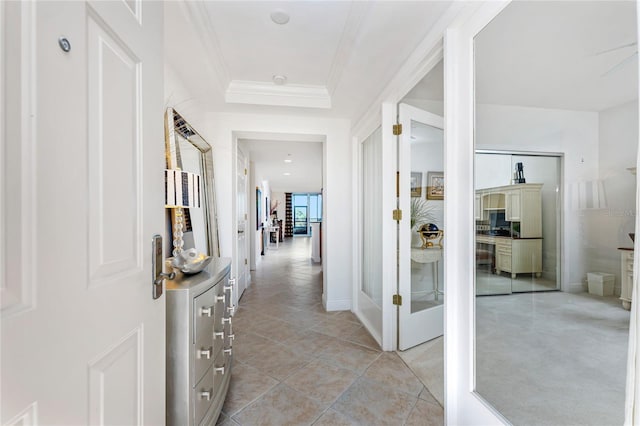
186,150
427,283
551,78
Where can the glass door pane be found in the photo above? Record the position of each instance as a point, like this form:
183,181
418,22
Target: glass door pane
543,261
372,217
493,232
300,220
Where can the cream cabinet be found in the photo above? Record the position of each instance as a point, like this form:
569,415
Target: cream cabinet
626,274
199,345
519,256
521,203
514,255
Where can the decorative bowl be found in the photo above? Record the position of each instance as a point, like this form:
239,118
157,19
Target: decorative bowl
190,261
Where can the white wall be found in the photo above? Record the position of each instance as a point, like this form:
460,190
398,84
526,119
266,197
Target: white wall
573,133
608,228
281,199
337,197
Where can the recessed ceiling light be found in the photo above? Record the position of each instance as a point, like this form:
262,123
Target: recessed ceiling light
279,16
288,160
287,174
279,80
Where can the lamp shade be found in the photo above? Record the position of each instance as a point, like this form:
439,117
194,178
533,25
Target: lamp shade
182,189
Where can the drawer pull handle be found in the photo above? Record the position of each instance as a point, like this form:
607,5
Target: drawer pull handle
217,334
206,312
227,351
231,336
205,353
220,298
228,288
231,309
218,370
226,320
206,394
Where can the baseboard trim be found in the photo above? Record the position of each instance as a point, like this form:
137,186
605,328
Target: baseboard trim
337,305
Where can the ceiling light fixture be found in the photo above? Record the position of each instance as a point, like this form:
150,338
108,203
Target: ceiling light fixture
279,80
279,16
288,160
287,174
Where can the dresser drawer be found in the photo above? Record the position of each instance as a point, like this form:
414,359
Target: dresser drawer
204,312
221,369
203,396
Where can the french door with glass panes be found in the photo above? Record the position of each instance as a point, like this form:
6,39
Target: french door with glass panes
421,231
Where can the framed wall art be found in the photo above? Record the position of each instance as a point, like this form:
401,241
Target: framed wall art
435,185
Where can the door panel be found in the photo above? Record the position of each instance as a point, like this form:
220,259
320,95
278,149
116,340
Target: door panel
421,280
89,348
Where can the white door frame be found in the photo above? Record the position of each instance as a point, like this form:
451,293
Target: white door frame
242,268
462,404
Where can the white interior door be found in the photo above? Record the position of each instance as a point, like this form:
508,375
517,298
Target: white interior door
421,281
241,208
82,195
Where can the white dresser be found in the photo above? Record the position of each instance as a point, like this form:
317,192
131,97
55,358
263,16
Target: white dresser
199,339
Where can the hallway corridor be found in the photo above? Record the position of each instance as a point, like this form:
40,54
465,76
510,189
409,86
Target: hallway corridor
295,364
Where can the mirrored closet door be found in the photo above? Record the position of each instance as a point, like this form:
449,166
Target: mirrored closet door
517,216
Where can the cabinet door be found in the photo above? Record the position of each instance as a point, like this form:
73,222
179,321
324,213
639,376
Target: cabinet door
512,208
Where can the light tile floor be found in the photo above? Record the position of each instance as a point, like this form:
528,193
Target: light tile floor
295,364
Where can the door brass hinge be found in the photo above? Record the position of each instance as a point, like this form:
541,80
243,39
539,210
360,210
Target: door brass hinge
245,172
397,129
245,261
397,214
397,299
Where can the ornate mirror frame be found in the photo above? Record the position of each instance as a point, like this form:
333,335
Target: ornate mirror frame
175,125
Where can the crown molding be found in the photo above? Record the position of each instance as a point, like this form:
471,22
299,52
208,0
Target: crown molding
264,93
357,13
198,17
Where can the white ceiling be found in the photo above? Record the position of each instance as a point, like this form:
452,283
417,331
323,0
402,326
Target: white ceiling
338,56
545,54
339,52
268,157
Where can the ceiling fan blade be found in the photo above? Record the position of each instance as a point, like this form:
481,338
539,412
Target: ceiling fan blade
621,64
615,48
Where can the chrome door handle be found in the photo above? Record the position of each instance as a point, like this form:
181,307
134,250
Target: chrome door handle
156,267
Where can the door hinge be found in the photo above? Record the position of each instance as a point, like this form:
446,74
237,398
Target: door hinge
245,261
397,215
397,129
397,299
245,216
245,172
